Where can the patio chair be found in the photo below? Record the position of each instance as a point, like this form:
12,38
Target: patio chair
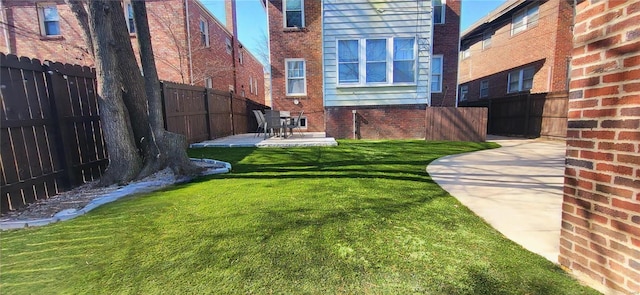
262,123
295,124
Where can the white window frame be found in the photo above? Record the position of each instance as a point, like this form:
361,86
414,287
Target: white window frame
208,82
484,88
443,12
526,22
464,92
486,39
304,78
441,57
241,57
520,75
284,14
466,53
362,63
251,84
204,32
130,21
40,7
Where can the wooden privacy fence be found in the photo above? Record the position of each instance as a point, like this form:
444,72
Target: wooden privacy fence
200,113
528,115
51,138
50,134
456,124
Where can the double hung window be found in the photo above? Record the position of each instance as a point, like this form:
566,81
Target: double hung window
49,19
296,76
524,19
293,13
521,80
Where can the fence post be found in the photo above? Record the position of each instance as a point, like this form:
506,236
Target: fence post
207,115
527,114
57,89
163,93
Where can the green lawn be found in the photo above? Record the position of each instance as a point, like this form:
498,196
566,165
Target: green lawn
360,218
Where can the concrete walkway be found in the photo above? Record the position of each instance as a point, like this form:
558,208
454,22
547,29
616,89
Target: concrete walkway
516,188
306,139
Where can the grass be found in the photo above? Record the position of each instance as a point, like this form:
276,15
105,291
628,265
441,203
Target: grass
361,218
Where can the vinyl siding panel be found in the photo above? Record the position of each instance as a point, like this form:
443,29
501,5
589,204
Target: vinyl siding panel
361,19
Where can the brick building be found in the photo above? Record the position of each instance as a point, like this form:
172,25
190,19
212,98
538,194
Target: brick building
600,237
520,46
363,70
207,54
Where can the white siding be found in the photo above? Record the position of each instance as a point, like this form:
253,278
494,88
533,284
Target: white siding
362,19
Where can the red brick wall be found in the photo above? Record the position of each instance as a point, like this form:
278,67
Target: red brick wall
445,42
546,45
600,238
167,26
377,122
307,44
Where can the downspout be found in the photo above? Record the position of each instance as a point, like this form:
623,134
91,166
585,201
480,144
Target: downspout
186,5
431,44
324,85
458,61
266,4
6,26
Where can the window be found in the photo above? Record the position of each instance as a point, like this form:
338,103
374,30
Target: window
436,73
521,80
49,19
486,40
524,19
255,85
439,11
464,90
208,82
228,43
204,32
296,79
293,13
131,25
241,58
376,61
484,89
404,60
466,52
348,61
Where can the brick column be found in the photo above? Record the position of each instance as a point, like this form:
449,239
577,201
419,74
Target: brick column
600,239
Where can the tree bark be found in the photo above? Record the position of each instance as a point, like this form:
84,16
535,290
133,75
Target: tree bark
172,147
79,10
124,160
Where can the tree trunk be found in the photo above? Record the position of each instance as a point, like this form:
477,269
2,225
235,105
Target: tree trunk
124,160
172,147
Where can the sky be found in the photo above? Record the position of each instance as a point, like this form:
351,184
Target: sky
252,18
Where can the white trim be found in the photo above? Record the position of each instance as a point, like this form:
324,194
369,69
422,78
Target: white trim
487,36
520,73
286,75
284,14
464,92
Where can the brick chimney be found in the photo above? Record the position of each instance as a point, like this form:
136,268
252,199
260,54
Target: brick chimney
230,12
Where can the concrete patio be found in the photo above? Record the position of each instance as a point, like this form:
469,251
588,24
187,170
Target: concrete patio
306,139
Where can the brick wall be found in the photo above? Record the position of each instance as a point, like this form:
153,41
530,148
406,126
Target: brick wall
377,122
305,43
169,36
445,42
600,238
546,46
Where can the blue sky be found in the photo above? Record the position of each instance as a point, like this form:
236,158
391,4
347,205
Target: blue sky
252,18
